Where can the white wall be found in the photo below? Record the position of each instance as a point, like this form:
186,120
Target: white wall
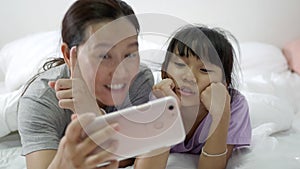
22,17
272,21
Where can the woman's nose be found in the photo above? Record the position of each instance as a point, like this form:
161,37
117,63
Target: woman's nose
120,69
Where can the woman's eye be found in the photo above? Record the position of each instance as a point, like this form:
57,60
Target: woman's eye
104,56
178,64
131,55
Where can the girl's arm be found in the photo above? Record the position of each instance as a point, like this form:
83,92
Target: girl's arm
216,152
213,154
156,159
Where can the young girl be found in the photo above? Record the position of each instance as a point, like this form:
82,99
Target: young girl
109,63
197,70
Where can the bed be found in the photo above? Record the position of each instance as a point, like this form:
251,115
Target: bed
268,83
269,60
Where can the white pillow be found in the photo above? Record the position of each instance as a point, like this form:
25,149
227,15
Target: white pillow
269,109
2,77
261,58
8,111
22,58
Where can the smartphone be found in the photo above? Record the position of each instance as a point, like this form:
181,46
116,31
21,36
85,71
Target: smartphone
143,128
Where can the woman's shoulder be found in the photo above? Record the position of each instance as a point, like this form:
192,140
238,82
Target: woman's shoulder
145,74
144,69
39,86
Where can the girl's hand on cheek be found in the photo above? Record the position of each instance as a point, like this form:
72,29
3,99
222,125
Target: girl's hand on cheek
165,88
216,99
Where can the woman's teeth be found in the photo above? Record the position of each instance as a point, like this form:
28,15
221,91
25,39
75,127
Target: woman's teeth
115,86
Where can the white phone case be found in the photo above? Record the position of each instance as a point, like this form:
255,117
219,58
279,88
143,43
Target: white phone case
143,128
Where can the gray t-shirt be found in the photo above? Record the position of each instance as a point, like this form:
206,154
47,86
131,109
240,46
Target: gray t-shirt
42,122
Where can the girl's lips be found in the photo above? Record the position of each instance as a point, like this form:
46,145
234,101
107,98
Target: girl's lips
186,91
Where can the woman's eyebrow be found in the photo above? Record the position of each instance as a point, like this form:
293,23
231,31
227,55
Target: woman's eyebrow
103,45
109,45
133,44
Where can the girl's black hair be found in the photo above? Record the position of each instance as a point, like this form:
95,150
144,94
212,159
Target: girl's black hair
208,44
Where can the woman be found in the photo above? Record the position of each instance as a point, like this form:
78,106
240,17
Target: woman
110,67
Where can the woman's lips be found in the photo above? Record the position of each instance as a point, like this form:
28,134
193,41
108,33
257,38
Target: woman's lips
116,87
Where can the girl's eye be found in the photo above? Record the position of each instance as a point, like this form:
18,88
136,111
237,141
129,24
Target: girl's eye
205,70
178,64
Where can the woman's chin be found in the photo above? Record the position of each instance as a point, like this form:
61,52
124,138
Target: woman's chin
116,101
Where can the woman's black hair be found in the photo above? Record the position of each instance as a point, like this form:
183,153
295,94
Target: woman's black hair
79,16
86,12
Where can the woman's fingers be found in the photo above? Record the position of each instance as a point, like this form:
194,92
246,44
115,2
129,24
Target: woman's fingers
66,104
73,132
51,84
80,151
64,94
95,139
101,156
113,165
61,84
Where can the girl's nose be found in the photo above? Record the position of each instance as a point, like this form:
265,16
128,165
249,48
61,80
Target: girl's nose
188,76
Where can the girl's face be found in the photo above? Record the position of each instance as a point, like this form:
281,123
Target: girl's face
109,64
192,76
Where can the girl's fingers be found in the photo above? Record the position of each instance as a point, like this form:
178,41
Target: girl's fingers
158,93
165,88
95,139
165,83
74,116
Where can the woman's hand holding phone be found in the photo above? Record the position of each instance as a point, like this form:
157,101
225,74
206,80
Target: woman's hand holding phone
77,150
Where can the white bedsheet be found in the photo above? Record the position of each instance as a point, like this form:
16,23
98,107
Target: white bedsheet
275,151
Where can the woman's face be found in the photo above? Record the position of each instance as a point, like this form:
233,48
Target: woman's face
109,61
192,76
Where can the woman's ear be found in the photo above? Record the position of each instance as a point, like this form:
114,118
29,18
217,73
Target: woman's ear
70,55
66,53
